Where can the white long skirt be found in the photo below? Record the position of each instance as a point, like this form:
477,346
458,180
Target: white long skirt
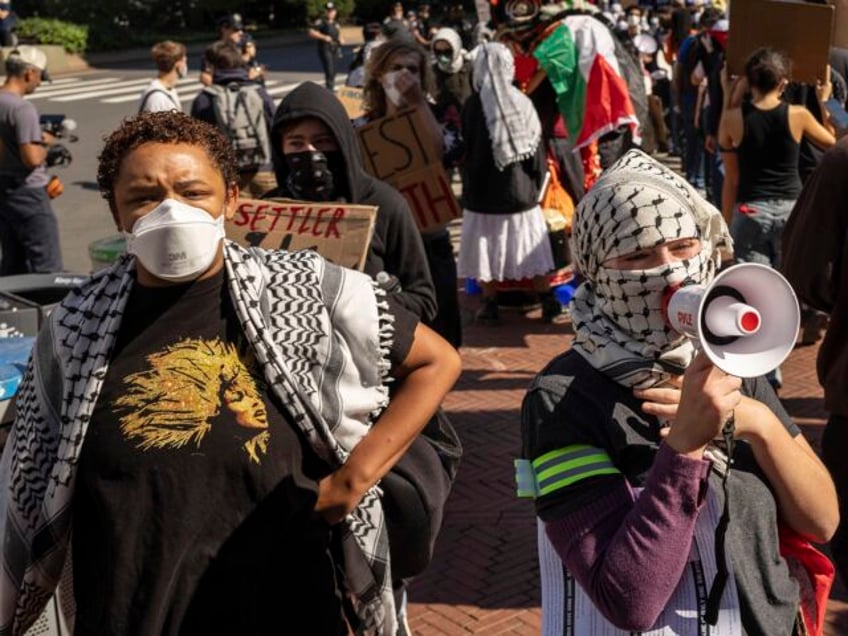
498,247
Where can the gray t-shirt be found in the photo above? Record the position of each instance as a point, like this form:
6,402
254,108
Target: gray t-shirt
19,125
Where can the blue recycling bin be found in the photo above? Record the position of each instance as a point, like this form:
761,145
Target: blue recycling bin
14,354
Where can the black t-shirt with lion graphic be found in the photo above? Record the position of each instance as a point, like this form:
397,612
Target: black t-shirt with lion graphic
193,504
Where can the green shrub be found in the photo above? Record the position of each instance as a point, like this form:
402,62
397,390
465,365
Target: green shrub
74,37
315,8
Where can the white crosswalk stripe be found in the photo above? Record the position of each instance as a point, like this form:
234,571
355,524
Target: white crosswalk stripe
134,87
117,90
47,93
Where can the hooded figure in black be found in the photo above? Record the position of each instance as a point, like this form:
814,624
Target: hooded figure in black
396,256
416,489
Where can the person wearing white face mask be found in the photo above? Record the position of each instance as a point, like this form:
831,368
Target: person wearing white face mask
172,65
451,70
619,442
236,397
398,77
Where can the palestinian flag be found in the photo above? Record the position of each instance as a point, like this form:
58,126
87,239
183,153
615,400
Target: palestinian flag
578,56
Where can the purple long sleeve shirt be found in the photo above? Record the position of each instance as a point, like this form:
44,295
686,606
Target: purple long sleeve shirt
629,553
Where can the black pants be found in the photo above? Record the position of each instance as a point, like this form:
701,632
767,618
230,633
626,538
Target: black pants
834,442
28,232
327,54
442,263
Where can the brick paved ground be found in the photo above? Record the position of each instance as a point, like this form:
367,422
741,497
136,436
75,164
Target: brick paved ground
484,577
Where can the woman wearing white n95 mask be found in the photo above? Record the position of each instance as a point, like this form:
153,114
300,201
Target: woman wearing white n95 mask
200,423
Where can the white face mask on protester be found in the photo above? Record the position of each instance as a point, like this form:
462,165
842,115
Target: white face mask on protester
176,242
389,82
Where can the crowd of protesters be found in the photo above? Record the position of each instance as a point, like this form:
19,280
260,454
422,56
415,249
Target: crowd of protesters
315,459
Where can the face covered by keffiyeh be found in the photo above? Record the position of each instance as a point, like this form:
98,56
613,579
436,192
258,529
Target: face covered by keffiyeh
618,314
511,119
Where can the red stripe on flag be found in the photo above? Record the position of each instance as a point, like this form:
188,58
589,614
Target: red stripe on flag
608,103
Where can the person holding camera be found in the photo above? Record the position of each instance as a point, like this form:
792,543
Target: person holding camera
28,228
325,30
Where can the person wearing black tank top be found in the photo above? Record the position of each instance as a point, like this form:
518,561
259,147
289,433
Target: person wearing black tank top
760,141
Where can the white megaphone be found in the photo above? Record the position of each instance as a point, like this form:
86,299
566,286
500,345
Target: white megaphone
746,320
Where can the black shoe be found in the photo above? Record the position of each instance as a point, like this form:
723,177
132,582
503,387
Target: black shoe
813,323
488,313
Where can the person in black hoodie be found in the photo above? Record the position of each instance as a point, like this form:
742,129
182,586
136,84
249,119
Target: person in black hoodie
317,158
396,256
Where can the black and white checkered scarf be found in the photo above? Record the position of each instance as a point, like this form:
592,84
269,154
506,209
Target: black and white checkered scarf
618,315
511,119
322,334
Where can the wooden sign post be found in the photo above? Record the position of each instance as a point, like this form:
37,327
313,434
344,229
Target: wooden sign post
394,150
339,232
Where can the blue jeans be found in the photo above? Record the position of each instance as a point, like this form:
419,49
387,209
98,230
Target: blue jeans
757,228
29,232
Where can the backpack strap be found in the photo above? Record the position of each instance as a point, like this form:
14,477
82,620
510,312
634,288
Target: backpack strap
157,90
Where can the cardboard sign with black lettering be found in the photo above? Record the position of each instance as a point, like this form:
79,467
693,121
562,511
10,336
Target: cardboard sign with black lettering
799,29
339,232
396,150
351,99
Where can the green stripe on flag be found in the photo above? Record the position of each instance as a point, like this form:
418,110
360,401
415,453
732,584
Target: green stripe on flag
558,57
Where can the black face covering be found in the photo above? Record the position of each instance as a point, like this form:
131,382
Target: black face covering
315,175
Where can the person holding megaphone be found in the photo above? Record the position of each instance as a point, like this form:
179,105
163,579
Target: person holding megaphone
668,488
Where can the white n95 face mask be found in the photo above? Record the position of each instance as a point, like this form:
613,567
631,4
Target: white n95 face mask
176,242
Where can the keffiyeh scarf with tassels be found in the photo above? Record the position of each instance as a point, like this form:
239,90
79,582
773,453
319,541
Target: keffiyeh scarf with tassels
512,121
322,335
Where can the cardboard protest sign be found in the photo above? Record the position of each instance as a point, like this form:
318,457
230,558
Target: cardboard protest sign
351,99
799,29
339,232
840,23
396,150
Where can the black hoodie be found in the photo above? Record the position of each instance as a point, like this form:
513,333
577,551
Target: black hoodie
396,247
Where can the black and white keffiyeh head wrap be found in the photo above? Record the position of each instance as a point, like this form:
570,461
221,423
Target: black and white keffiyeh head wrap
618,315
512,121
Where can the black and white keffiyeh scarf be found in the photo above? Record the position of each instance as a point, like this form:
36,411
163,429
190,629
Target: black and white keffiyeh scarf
618,314
512,121
322,335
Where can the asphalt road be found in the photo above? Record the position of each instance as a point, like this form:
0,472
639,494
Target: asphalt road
100,98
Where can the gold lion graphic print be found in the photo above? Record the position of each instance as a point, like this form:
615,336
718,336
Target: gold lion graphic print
174,402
